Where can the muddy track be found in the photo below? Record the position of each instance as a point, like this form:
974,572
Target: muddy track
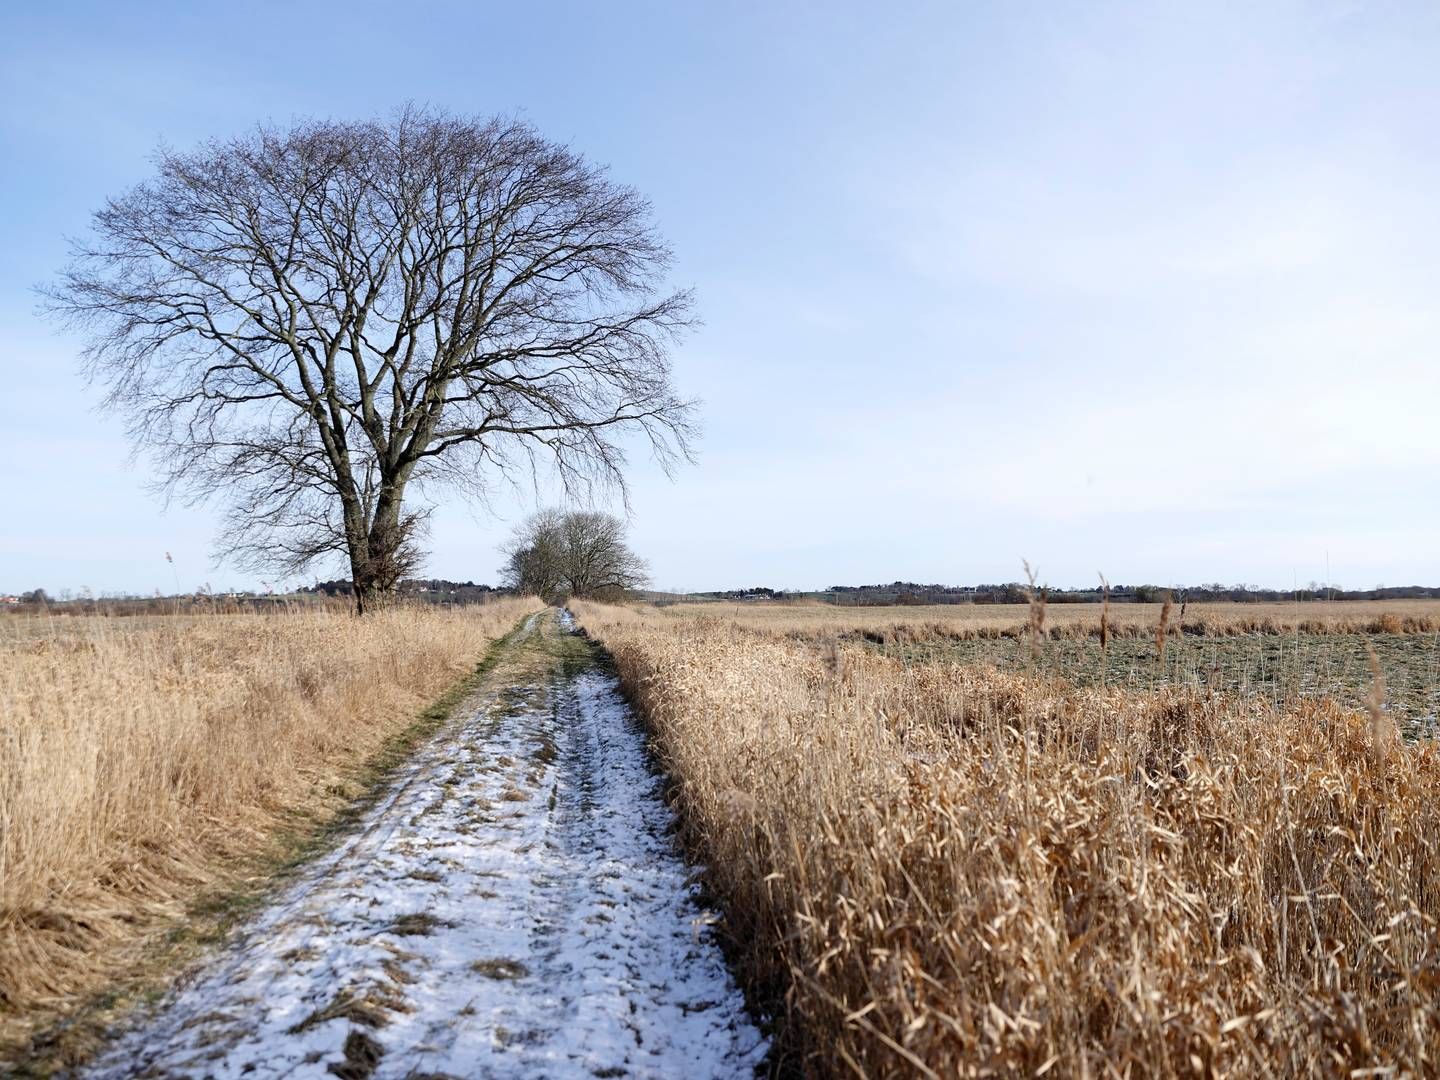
514,907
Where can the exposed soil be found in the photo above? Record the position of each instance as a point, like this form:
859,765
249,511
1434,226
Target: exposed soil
1277,666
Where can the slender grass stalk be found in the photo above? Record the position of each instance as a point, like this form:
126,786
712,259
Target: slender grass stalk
1162,628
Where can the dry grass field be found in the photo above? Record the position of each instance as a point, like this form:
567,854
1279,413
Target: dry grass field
1278,667
1278,651
968,621
146,764
947,869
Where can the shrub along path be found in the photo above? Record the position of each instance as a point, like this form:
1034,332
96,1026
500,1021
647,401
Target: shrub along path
514,907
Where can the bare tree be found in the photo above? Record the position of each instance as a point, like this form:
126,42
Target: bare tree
579,552
534,557
313,322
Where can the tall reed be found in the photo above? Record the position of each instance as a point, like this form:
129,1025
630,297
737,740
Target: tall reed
1104,615
1162,628
145,761
947,871
1035,596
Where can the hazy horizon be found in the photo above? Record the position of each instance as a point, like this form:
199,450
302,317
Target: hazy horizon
1141,291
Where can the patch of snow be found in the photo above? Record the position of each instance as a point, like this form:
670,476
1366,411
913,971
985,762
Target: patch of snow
515,907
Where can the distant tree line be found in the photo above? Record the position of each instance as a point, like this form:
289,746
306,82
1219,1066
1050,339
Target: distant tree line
910,592
903,592
438,590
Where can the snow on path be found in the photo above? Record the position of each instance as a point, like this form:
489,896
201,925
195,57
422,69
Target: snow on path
516,908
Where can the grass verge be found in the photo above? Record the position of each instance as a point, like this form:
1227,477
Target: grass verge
186,837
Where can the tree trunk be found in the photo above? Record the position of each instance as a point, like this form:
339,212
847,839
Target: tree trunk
382,554
357,547
360,583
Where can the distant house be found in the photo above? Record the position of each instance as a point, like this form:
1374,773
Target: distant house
9,599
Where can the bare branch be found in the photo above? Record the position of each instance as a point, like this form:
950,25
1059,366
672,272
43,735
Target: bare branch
305,322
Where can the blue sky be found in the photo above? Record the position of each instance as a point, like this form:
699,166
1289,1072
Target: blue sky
1148,289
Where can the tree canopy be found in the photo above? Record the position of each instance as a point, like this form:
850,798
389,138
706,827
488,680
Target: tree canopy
316,323
574,553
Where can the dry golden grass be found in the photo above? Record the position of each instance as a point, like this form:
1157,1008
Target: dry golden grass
968,621
146,762
948,871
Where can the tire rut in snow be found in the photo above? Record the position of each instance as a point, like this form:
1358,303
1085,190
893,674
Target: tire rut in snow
515,908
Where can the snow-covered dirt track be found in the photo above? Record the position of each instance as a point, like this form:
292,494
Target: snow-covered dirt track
514,908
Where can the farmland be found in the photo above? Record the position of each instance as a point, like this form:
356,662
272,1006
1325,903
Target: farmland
945,847
1278,651
1078,620
1277,666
